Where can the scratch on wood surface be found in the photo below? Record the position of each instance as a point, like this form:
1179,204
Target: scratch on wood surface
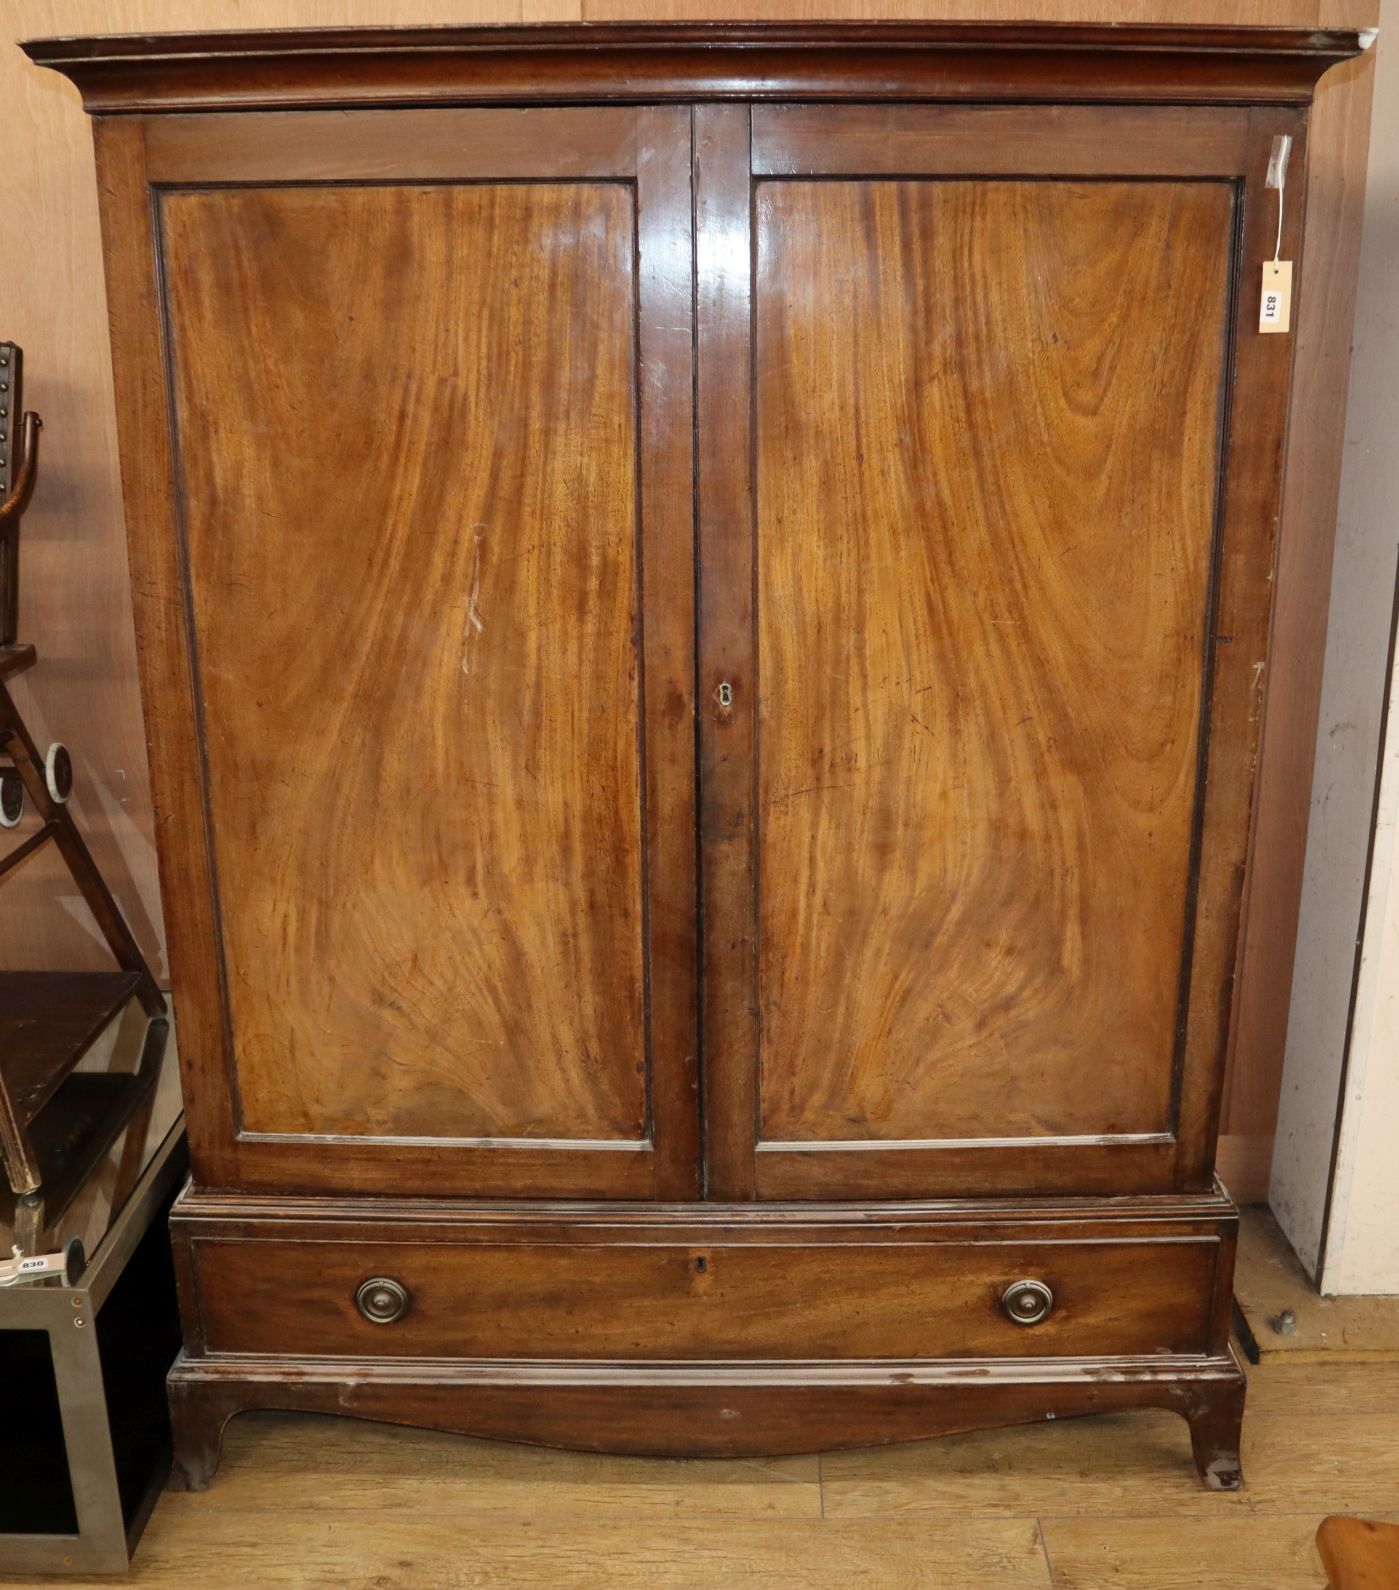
473,626
807,789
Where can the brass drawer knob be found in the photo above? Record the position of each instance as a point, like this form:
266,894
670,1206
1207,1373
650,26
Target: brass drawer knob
382,1300
1027,1302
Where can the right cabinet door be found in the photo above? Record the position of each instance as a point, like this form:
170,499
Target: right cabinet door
990,444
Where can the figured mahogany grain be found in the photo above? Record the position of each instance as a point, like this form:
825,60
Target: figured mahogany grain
736,1301
722,1299
986,495
411,555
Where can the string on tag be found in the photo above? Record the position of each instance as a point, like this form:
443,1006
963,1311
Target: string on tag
1275,306
1277,178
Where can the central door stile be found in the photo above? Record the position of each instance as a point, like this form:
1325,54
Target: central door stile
727,646
665,429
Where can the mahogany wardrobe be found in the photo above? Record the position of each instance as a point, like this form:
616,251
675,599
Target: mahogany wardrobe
703,598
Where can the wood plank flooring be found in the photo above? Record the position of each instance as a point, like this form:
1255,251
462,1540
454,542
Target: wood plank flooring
1270,1279
1086,1504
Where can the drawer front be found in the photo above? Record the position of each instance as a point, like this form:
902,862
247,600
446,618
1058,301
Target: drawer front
574,1300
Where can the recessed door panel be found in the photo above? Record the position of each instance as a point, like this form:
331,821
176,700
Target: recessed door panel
415,608
986,491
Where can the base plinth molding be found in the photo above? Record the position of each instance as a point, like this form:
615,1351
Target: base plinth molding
708,1409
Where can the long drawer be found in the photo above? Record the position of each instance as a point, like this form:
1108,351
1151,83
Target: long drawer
648,1299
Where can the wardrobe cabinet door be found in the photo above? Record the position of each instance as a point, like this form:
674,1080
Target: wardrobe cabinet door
422,691
979,799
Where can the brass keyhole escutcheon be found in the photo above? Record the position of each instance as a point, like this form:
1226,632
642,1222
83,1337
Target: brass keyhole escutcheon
1027,1302
725,696
382,1300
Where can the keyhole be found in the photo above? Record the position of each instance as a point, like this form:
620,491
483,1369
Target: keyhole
726,695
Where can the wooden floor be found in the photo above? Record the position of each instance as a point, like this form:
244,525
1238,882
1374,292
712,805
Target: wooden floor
1089,1504
1270,1284
304,1501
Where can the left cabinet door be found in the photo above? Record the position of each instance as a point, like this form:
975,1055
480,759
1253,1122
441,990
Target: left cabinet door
405,399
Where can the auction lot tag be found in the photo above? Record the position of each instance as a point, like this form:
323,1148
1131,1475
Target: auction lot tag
1275,312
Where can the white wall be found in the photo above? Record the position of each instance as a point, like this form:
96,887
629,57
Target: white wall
1352,711
1362,1239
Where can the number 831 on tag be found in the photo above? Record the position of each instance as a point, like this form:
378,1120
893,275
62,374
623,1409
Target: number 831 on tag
1275,310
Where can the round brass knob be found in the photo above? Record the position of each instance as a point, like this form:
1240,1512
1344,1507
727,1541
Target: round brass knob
382,1300
1027,1302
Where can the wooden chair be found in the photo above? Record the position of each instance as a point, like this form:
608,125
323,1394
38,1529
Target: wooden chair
1358,1554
